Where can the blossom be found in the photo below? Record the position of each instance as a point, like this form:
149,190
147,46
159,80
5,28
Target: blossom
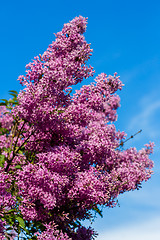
60,153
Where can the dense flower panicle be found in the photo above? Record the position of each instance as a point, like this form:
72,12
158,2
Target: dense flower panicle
37,183
60,154
62,65
2,237
53,233
6,119
85,233
6,199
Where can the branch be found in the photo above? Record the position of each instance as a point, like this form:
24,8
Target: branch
132,136
15,152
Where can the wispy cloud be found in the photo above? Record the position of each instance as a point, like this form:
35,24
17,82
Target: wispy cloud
147,230
148,115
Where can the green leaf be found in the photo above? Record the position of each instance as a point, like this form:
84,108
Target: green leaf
98,211
6,113
75,225
11,210
4,100
3,130
9,228
9,108
12,101
60,111
7,150
18,167
33,238
21,221
12,91
2,160
13,94
20,152
3,104
18,198
10,219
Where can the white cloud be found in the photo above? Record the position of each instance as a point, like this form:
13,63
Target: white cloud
147,118
147,230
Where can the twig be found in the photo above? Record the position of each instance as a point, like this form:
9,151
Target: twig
132,136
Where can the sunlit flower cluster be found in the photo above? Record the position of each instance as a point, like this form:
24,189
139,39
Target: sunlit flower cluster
65,158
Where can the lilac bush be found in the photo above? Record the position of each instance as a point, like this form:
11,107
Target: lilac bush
61,157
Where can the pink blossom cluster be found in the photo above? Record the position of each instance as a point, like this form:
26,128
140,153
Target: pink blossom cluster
52,233
6,119
65,158
5,183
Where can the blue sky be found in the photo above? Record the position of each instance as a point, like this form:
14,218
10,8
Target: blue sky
125,38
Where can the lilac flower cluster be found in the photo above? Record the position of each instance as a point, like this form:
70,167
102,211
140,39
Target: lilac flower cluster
61,156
